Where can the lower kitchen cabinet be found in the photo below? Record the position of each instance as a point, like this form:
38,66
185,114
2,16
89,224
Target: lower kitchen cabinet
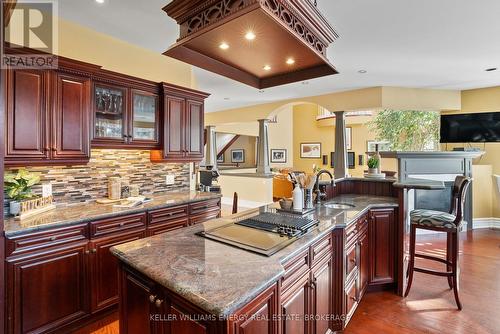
321,296
57,279
382,247
364,262
295,306
104,269
47,289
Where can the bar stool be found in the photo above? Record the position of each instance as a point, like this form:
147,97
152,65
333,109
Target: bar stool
450,223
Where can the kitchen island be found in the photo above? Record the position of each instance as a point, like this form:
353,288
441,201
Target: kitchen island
179,282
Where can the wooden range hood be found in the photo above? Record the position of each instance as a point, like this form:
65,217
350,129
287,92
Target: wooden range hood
262,43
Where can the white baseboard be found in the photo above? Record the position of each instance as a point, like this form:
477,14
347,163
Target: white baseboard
487,223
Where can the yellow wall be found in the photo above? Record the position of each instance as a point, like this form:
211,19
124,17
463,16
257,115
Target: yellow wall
307,129
246,143
484,100
80,43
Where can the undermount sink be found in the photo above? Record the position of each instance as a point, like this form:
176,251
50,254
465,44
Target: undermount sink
340,206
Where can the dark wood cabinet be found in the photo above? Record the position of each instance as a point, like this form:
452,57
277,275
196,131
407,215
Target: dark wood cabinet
183,131
47,290
364,262
26,115
47,117
381,232
321,296
104,269
295,307
70,120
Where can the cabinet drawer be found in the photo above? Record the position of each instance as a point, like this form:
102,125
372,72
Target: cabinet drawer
351,264
164,215
118,224
41,240
351,234
201,207
198,219
351,299
169,225
321,249
294,269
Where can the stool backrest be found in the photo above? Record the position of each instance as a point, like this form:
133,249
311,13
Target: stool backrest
459,193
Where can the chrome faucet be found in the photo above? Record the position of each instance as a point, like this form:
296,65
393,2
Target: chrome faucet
319,194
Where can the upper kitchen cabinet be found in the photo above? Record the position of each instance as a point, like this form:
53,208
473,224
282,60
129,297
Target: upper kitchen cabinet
183,115
125,112
47,115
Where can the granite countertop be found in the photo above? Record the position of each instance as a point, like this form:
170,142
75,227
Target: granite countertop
75,214
220,278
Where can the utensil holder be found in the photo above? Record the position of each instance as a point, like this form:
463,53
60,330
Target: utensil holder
308,199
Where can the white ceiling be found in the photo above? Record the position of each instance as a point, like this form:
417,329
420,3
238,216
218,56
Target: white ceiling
444,44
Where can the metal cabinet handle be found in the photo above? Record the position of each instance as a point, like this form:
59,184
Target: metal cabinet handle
152,298
354,299
353,260
158,302
93,250
53,238
87,252
122,224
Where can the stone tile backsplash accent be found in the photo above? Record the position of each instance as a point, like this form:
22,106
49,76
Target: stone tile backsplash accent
86,183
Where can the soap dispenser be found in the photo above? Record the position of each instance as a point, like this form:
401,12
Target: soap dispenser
298,198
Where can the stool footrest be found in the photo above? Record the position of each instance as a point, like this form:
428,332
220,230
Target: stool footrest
433,258
434,272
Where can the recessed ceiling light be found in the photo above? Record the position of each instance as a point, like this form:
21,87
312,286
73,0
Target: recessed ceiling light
305,82
224,46
99,1
362,71
267,67
491,69
250,35
290,61
261,91
227,98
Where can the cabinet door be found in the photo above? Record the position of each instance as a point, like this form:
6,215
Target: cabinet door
143,125
174,145
321,296
194,130
137,299
104,269
364,263
257,316
26,115
382,246
295,306
71,118
110,115
47,290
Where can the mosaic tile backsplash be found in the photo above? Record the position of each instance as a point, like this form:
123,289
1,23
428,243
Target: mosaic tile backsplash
86,183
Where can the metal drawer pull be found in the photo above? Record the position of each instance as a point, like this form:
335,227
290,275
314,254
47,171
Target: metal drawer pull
53,238
354,299
152,298
122,224
158,302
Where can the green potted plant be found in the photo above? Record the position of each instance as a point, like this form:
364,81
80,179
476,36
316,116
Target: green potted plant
18,187
373,165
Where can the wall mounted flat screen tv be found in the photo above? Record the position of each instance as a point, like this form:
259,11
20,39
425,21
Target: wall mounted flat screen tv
470,128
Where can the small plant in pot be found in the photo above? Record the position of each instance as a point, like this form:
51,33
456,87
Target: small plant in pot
373,165
18,188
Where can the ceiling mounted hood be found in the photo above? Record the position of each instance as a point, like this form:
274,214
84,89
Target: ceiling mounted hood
262,43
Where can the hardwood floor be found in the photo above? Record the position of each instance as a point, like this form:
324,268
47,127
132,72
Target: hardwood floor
430,306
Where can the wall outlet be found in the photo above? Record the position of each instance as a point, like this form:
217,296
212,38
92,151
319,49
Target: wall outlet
169,179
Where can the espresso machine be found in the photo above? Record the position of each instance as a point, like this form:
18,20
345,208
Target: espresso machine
208,181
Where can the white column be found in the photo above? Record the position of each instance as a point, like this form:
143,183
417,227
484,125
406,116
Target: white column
340,157
211,149
263,166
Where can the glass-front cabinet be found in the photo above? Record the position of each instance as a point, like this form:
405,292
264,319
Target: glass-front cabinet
124,117
110,113
144,117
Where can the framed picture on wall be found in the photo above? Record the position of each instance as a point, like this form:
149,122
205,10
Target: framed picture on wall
383,146
310,150
278,156
332,155
351,160
348,138
220,158
238,156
